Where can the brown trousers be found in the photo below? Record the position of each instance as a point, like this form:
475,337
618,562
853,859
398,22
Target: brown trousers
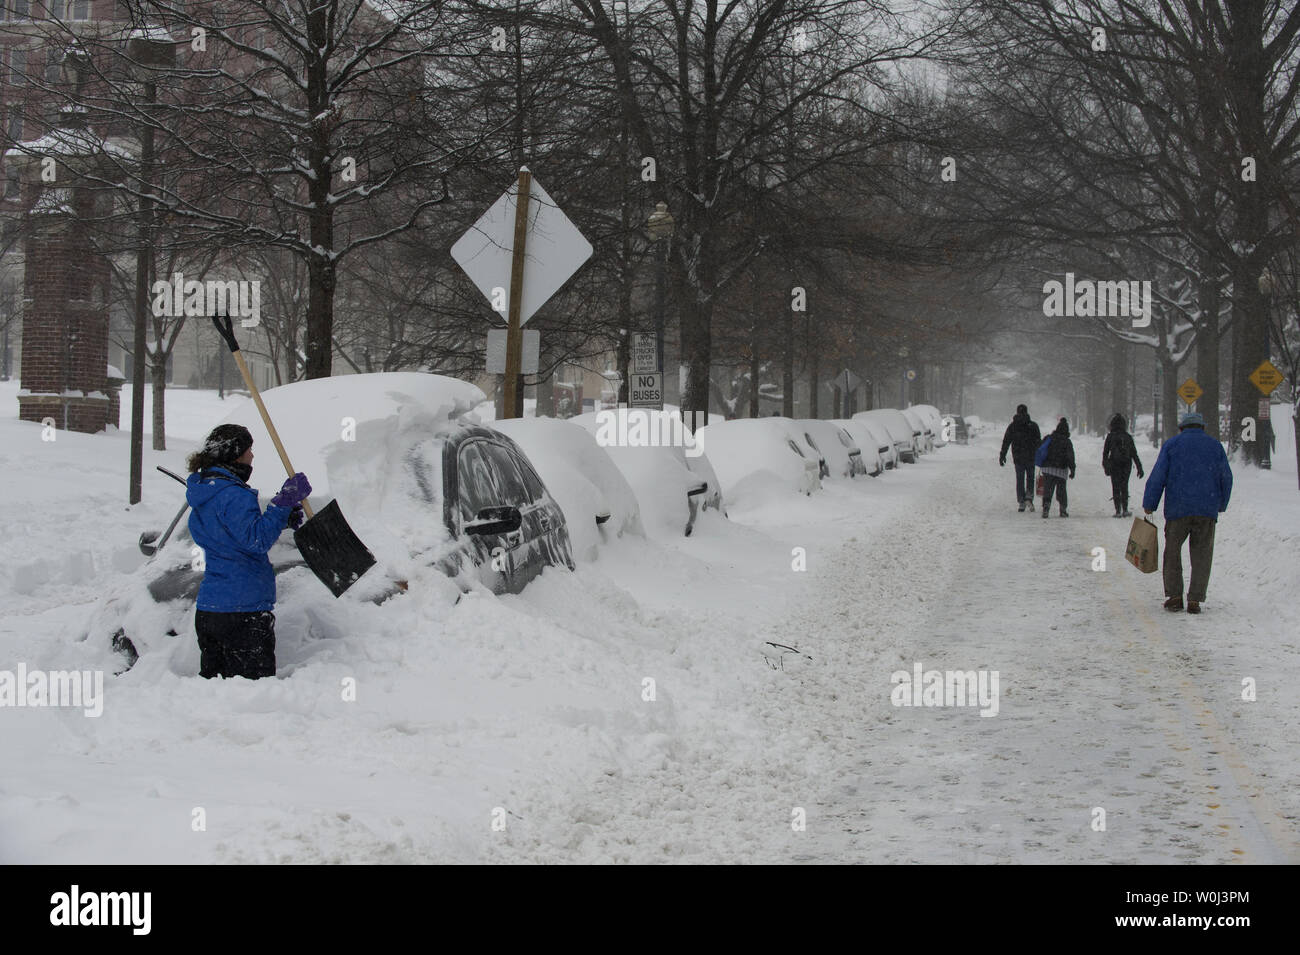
1201,532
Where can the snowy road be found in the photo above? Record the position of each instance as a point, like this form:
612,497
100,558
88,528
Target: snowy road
1107,702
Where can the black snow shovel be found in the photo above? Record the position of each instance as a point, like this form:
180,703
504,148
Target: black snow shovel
328,545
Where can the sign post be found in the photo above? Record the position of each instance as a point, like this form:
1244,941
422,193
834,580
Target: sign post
524,226
1266,378
514,340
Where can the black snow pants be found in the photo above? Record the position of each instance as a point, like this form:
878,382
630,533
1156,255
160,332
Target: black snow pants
1119,486
236,644
1056,484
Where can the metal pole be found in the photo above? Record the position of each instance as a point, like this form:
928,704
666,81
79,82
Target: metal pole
141,304
660,296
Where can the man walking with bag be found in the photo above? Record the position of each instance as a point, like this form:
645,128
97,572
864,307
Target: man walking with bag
1192,474
1023,437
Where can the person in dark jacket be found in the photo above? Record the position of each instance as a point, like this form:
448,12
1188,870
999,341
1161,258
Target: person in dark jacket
1192,474
233,618
1023,437
1056,466
1118,456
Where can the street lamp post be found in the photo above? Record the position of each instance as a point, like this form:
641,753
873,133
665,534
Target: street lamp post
147,49
902,377
660,227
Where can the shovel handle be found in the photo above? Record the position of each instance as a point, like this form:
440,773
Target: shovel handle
226,329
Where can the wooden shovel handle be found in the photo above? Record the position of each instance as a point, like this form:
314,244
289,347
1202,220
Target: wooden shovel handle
228,334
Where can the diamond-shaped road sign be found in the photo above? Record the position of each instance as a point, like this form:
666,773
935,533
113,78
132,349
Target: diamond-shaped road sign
1266,377
1189,391
553,250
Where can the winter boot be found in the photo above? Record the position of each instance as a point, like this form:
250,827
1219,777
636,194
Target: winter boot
1030,503
1127,513
1175,604
1046,515
1193,607
1022,506
1065,513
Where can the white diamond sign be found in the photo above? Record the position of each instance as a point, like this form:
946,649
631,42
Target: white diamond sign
553,250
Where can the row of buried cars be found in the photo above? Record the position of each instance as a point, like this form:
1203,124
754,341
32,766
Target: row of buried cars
492,504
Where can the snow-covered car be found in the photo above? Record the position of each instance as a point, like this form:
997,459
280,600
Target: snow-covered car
837,448
596,498
655,451
934,422
873,450
877,435
756,456
446,494
900,432
956,428
921,431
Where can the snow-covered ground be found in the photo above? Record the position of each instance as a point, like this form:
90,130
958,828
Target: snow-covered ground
644,708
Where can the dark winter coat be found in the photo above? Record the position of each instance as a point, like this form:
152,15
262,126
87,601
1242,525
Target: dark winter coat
1060,453
1193,475
235,536
1119,453
1023,437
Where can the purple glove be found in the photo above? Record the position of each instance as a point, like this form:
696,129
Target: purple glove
296,517
294,491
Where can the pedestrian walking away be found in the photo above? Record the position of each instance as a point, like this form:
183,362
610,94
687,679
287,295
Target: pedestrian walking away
1118,456
1056,455
233,619
1192,474
1023,438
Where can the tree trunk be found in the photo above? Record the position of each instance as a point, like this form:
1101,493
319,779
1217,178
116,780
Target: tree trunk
814,370
158,371
1119,380
753,379
1169,398
1207,347
787,360
1247,86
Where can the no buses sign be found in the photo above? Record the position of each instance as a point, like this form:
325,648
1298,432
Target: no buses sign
645,390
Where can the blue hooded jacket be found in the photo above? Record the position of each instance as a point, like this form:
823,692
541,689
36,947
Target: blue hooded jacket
235,536
1193,475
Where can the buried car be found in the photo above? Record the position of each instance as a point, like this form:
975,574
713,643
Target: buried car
841,454
893,423
753,455
446,495
657,454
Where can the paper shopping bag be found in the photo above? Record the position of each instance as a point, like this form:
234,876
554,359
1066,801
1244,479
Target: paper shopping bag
1038,485
1143,550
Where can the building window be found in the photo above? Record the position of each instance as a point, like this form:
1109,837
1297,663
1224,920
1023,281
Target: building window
16,10
14,128
66,10
53,67
13,184
17,67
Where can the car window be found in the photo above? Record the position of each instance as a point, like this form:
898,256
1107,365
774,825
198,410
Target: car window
844,438
487,477
811,443
532,483
795,448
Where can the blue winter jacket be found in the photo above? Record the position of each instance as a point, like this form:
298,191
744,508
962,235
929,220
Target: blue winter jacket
1193,475
235,536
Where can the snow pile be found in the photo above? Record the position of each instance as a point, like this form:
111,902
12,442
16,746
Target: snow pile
582,479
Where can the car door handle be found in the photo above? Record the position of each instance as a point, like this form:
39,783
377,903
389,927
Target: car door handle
544,519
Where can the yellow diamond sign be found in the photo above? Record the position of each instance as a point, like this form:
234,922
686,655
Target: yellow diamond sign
1266,377
1189,391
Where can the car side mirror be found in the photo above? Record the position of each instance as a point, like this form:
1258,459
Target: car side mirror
495,520
602,517
146,543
